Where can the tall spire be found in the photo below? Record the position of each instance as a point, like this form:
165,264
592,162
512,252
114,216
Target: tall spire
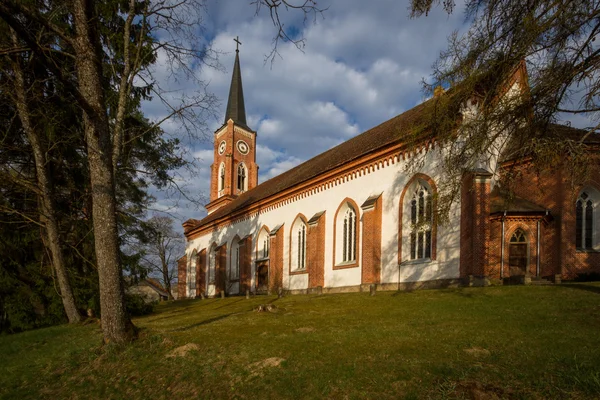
235,103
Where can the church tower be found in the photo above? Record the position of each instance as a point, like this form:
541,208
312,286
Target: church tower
234,170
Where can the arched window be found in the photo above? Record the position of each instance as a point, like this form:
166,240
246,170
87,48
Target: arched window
587,220
263,244
234,265
242,182
212,257
346,232
349,240
221,178
192,274
518,257
421,222
298,244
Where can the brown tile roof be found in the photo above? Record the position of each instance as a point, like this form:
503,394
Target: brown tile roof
389,132
501,200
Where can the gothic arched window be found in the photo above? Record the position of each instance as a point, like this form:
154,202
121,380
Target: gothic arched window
586,220
298,244
192,274
421,222
212,258
346,232
234,265
242,181
263,244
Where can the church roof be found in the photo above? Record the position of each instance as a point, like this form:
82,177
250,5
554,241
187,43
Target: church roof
502,201
385,134
235,103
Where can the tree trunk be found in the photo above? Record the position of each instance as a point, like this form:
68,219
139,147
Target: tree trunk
116,325
48,211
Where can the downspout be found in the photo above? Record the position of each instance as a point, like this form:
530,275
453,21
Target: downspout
537,271
502,249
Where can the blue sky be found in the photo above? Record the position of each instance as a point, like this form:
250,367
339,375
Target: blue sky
362,64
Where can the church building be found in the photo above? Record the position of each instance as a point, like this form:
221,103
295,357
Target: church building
356,216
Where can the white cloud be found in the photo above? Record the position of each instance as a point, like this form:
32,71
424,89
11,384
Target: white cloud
362,65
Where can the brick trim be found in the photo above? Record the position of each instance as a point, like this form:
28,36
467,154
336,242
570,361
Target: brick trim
315,251
357,210
371,261
434,228
276,261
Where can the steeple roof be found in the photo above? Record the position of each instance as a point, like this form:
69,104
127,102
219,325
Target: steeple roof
235,103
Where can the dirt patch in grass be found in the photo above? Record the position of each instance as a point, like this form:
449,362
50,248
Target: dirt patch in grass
257,368
182,351
305,329
477,352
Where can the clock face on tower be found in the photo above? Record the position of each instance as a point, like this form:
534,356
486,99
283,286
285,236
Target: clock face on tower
242,147
222,146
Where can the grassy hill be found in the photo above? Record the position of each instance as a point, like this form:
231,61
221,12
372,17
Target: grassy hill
484,343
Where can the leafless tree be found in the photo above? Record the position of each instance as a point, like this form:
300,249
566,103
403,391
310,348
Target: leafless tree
162,247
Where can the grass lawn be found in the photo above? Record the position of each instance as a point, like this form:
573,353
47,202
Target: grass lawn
484,343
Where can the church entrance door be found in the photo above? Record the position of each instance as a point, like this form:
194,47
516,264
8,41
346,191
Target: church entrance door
262,277
517,254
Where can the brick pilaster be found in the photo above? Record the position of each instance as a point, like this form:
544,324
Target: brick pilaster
371,253
315,251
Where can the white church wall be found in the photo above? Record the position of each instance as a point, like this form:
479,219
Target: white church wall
389,180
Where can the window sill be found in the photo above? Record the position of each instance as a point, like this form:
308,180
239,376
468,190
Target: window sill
350,264
417,261
299,271
580,250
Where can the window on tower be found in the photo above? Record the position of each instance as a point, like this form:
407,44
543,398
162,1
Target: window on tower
242,179
221,179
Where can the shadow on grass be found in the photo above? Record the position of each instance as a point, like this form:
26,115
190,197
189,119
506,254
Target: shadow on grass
205,322
588,288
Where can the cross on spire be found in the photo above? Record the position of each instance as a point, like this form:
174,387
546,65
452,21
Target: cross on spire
237,43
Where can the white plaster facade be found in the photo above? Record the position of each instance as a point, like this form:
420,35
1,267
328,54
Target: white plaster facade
385,177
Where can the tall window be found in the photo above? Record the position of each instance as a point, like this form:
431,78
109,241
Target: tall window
346,232
584,221
265,249
242,183
421,222
192,274
221,178
211,265
234,266
262,244
349,240
298,244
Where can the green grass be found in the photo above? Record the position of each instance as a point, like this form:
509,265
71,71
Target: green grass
507,342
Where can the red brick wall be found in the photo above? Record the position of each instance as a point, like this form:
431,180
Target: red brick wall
232,157
245,264
276,261
371,254
511,224
556,191
220,269
181,277
315,252
475,224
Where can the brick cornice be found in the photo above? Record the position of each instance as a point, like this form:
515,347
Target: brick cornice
361,166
